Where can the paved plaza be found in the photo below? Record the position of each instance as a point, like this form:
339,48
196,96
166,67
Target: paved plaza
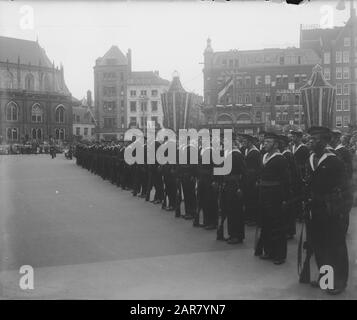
88,239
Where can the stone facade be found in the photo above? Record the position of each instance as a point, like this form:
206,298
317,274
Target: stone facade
255,89
35,103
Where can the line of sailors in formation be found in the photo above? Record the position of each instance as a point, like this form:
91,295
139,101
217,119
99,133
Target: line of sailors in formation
272,180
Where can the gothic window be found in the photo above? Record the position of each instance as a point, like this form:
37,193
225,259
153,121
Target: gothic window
59,133
12,112
60,114
36,113
12,133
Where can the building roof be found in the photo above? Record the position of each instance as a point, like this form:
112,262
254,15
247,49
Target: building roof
113,57
176,85
85,113
268,57
316,34
27,51
146,78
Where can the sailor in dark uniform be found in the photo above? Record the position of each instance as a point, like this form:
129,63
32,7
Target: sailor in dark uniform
274,193
188,180
342,151
157,179
290,213
261,142
328,216
253,161
345,155
333,140
232,196
170,190
207,190
301,153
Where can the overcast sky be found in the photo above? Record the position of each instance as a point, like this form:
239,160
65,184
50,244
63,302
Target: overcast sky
164,36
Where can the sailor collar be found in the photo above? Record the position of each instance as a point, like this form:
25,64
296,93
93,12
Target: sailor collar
297,148
227,152
287,150
339,146
266,158
324,157
251,149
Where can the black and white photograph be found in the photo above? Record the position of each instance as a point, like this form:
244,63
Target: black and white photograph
199,151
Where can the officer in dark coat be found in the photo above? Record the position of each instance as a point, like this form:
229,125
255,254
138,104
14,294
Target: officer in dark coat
327,181
274,193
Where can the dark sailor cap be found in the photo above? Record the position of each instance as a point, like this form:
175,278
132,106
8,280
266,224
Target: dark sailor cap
283,138
271,135
247,136
297,133
319,130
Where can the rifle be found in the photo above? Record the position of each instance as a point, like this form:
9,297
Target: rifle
304,271
221,215
164,201
196,217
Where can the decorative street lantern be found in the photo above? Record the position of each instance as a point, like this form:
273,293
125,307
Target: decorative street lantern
318,99
176,105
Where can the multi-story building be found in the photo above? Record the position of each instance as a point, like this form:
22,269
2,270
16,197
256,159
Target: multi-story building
337,49
111,73
123,97
253,89
197,117
84,120
35,103
144,91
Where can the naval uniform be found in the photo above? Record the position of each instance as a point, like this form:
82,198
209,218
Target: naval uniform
291,211
301,154
328,215
273,191
232,196
253,161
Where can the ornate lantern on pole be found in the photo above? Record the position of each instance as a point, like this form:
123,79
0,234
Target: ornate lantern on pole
318,98
176,105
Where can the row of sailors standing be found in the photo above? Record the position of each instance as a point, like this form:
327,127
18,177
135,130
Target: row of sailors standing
270,178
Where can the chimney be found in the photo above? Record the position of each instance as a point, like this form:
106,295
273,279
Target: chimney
156,72
128,55
89,98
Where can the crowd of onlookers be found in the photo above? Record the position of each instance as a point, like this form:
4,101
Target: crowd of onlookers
28,148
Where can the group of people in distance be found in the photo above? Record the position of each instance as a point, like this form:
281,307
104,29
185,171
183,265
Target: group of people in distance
276,181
